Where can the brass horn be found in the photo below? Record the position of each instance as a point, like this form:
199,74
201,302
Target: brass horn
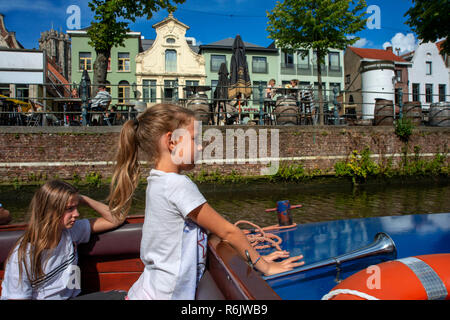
382,246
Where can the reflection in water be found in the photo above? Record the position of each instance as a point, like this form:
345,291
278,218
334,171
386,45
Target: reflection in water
332,200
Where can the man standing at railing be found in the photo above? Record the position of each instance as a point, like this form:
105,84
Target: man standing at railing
100,103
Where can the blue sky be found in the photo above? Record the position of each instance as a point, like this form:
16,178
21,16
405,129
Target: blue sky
209,21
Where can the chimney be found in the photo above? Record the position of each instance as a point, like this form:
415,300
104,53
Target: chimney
389,49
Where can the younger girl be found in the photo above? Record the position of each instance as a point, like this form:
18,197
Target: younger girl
174,242
43,263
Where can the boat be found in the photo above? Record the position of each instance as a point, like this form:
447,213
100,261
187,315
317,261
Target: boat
333,252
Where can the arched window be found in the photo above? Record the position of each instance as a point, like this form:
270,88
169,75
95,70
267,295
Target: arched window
170,40
171,61
124,92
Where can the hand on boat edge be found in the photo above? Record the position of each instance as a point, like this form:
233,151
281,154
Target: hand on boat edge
285,265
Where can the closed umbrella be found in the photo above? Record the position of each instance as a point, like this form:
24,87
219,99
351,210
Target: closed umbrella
85,95
240,85
221,91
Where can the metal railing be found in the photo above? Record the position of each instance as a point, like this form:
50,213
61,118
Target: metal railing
288,106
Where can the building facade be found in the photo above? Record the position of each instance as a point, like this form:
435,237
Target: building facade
428,76
121,68
302,66
372,74
262,65
169,64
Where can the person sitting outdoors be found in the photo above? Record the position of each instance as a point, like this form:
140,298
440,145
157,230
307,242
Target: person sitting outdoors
100,103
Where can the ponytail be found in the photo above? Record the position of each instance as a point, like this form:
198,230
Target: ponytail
141,134
126,171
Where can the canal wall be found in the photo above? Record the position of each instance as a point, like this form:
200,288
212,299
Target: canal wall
29,154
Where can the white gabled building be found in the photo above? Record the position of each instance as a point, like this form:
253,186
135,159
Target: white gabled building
428,76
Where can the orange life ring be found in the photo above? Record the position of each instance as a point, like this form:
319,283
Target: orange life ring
424,277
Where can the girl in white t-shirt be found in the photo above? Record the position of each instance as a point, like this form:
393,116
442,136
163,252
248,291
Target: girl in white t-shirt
174,240
43,263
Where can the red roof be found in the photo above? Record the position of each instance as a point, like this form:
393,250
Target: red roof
439,45
377,54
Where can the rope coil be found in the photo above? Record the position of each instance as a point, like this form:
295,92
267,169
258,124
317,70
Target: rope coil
258,236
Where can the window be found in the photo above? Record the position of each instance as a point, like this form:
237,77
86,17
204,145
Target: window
193,83
303,62
124,92
347,79
442,92
169,90
259,64
398,75
170,40
288,59
85,59
149,90
214,84
333,61
124,62
4,89
429,93
171,61
216,61
416,92
22,92
429,68
108,86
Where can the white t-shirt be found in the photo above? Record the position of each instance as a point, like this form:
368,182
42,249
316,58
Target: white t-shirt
173,247
61,278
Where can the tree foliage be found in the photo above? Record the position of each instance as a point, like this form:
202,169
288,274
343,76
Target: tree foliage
320,24
430,20
317,25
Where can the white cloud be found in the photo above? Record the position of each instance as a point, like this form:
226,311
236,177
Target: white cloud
406,43
361,43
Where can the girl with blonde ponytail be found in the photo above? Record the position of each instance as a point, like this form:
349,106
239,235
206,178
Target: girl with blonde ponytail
177,216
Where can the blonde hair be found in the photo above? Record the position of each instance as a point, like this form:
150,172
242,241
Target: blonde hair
144,134
46,210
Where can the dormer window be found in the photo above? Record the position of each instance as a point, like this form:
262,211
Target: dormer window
170,40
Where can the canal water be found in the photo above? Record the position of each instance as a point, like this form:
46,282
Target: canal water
321,200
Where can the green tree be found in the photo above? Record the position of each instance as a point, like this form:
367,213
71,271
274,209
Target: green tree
318,24
430,20
110,25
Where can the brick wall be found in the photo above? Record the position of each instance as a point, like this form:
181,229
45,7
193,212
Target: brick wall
28,154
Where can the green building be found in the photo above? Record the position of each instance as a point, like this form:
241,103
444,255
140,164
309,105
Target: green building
262,63
304,69
121,68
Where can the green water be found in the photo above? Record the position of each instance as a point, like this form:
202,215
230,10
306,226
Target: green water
330,199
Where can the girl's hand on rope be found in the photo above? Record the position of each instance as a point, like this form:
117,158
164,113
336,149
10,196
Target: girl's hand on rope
276,255
285,265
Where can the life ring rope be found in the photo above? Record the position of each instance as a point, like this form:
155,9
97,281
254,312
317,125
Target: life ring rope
336,292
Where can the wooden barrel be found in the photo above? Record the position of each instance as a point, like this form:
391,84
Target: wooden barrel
384,112
439,114
412,110
199,104
286,111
